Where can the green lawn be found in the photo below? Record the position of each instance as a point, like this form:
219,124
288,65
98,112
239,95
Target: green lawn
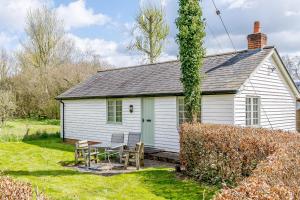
16,129
37,162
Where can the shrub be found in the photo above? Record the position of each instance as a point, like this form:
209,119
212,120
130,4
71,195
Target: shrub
219,153
276,178
14,190
263,163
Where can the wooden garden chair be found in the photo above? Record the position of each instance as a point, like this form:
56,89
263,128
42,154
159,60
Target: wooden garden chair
115,146
83,150
135,155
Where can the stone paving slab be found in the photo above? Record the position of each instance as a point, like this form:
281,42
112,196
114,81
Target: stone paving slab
110,169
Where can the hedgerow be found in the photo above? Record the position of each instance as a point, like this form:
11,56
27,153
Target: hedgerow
253,163
14,190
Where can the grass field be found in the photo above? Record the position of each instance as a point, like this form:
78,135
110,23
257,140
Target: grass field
15,130
38,162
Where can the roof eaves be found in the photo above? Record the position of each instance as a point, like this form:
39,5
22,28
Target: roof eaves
146,95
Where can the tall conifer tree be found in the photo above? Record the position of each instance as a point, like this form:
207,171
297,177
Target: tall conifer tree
191,53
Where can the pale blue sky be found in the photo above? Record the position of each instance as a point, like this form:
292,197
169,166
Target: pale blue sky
103,26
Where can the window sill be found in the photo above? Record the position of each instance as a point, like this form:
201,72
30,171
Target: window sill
114,123
254,126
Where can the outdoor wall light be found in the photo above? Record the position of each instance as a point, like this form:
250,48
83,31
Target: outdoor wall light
131,108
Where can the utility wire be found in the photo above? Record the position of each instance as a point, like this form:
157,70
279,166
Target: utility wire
213,35
210,30
218,12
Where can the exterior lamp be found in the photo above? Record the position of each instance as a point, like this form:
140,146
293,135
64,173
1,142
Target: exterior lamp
131,108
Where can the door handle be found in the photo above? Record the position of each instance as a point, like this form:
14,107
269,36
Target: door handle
148,120
143,120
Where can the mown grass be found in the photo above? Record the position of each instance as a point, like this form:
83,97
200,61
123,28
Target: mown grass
38,161
19,129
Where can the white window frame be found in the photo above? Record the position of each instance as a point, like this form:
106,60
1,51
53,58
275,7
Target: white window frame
114,107
252,116
179,105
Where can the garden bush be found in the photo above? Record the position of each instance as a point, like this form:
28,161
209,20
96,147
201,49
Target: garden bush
276,178
14,190
253,163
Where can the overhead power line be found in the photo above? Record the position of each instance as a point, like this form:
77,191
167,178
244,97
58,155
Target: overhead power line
218,12
213,35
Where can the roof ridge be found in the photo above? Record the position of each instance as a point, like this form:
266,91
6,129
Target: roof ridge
170,61
135,66
240,51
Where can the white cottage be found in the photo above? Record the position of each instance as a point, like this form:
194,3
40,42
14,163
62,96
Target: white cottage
246,88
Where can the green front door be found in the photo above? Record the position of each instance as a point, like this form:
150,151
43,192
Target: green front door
148,121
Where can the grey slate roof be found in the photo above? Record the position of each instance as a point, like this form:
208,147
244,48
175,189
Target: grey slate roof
223,73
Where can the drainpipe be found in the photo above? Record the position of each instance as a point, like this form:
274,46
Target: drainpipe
63,119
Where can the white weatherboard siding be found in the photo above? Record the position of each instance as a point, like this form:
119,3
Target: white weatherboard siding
86,119
217,109
278,104
165,120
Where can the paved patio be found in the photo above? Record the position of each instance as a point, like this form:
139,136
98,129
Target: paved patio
110,169
161,155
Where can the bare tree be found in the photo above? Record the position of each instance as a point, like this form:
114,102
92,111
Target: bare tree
3,65
293,65
49,64
46,41
46,45
7,105
150,32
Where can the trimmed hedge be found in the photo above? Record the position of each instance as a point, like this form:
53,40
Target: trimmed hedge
14,190
261,163
276,178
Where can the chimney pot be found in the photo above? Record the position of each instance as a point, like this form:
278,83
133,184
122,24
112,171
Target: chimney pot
257,27
257,40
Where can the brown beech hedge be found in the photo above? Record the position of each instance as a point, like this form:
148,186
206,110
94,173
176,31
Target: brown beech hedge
14,190
253,163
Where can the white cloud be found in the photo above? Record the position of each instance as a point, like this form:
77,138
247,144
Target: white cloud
95,46
13,13
291,13
76,15
6,40
111,52
232,4
162,3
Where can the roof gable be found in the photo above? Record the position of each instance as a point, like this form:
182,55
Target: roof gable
223,73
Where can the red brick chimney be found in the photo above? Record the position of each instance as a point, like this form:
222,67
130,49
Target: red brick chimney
257,40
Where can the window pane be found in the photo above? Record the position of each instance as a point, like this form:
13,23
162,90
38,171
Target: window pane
181,111
114,111
252,111
110,112
118,111
248,101
255,101
255,114
255,121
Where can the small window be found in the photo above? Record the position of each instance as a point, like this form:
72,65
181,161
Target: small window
114,111
181,111
252,111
